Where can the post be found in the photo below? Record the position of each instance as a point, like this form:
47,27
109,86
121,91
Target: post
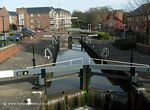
70,42
81,41
33,60
85,75
132,69
42,78
131,55
131,45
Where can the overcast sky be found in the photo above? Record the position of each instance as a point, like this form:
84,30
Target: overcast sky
70,5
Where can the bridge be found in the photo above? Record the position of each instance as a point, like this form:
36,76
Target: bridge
85,74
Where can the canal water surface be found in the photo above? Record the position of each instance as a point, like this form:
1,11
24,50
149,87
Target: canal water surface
100,82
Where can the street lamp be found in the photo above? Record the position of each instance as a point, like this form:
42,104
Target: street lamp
99,27
33,58
131,45
3,17
89,27
132,69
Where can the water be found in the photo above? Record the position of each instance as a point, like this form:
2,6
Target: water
100,82
116,100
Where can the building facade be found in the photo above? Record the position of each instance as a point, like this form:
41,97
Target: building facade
115,20
139,22
4,20
43,18
13,20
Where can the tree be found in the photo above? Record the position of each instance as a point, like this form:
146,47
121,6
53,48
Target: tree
93,16
81,21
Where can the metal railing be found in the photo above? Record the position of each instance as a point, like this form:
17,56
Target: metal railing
117,62
61,62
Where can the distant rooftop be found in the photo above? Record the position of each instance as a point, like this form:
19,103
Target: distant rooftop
142,10
39,9
12,13
36,10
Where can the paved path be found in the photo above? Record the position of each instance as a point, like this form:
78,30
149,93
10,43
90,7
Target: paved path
117,54
24,58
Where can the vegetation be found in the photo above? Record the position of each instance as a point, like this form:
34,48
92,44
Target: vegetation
93,16
103,35
124,44
7,42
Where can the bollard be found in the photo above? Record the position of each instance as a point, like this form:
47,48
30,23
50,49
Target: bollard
70,42
132,75
85,75
42,77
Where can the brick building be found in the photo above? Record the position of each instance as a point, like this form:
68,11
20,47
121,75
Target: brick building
42,18
13,20
115,20
139,22
64,18
4,20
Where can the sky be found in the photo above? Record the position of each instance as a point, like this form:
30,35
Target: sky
70,5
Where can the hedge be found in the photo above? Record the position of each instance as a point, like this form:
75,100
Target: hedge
124,44
103,35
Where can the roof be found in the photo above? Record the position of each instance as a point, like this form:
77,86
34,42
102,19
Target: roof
58,10
39,10
12,13
114,17
36,10
142,10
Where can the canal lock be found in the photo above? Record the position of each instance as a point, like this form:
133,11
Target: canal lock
91,99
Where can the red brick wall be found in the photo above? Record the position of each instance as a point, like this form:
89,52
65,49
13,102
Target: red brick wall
8,52
43,18
4,12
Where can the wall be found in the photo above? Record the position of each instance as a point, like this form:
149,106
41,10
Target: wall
39,20
4,12
8,52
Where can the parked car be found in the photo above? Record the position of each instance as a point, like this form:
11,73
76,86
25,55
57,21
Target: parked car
16,37
4,36
27,31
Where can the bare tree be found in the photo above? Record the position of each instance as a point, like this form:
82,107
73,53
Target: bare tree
93,16
136,3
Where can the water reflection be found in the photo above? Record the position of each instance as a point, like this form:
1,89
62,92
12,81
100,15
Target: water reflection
73,83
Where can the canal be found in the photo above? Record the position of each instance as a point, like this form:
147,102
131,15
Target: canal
65,54
100,86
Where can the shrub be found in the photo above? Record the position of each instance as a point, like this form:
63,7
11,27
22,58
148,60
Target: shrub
124,44
103,35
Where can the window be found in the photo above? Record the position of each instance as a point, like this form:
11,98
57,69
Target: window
31,15
31,20
21,19
32,26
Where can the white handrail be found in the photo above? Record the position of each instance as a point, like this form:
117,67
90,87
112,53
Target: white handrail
69,61
119,62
